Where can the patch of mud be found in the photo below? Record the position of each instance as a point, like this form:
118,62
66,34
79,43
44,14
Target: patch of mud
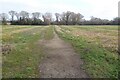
6,48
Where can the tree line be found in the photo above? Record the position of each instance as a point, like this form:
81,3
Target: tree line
65,18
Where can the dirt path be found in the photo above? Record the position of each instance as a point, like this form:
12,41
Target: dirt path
61,61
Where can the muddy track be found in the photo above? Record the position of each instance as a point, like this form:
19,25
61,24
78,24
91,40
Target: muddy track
61,61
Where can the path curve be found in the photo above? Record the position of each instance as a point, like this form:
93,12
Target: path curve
61,61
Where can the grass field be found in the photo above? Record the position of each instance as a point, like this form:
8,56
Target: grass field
21,53
97,46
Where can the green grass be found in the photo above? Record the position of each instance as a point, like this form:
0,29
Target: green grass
48,33
99,62
24,59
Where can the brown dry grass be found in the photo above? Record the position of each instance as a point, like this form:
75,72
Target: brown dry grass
108,39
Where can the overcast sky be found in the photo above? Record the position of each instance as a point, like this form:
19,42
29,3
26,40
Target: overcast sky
105,9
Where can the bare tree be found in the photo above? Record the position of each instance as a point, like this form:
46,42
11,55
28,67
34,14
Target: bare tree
57,15
24,14
65,17
74,18
3,18
12,13
79,17
36,15
47,17
68,13
71,17
17,15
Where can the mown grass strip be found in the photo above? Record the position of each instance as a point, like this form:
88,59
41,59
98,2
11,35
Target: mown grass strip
48,33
